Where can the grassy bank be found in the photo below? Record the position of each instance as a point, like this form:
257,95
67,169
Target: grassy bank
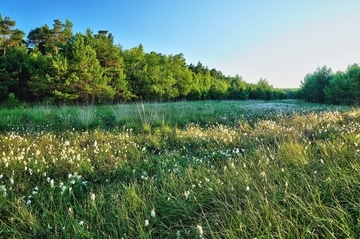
181,170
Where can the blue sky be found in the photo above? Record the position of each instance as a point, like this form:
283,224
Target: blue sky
278,40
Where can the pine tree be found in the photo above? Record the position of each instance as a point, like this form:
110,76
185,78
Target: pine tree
9,36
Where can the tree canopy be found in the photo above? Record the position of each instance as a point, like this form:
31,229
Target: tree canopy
57,66
9,35
323,86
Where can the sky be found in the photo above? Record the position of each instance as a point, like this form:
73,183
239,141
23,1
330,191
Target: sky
277,40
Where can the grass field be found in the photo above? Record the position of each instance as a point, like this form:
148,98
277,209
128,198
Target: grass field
206,169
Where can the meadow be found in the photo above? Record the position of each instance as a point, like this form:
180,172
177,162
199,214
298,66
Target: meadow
230,169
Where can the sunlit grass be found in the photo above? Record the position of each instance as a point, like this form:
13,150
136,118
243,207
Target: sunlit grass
200,170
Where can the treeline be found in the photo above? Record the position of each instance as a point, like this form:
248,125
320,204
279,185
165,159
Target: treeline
54,65
323,86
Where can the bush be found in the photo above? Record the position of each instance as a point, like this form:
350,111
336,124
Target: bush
12,102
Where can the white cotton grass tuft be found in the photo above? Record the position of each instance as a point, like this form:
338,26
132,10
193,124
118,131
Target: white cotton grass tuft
200,230
152,213
3,190
186,194
146,223
92,197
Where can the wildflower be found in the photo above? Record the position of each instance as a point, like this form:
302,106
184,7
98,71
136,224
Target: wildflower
52,183
146,223
81,223
247,188
178,234
28,202
152,213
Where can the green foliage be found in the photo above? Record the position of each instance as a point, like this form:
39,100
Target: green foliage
51,41
60,67
353,73
181,74
12,102
14,73
263,90
313,86
9,36
111,60
158,77
339,88
87,77
86,118
38,38
238,89
135,67
218,90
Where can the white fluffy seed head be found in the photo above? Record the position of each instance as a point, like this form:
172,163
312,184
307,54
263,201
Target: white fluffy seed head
152,213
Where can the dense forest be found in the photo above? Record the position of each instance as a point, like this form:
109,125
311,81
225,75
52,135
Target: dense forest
55,65
324,86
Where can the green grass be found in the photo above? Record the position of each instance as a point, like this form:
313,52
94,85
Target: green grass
205,169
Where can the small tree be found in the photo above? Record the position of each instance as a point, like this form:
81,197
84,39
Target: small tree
11,102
